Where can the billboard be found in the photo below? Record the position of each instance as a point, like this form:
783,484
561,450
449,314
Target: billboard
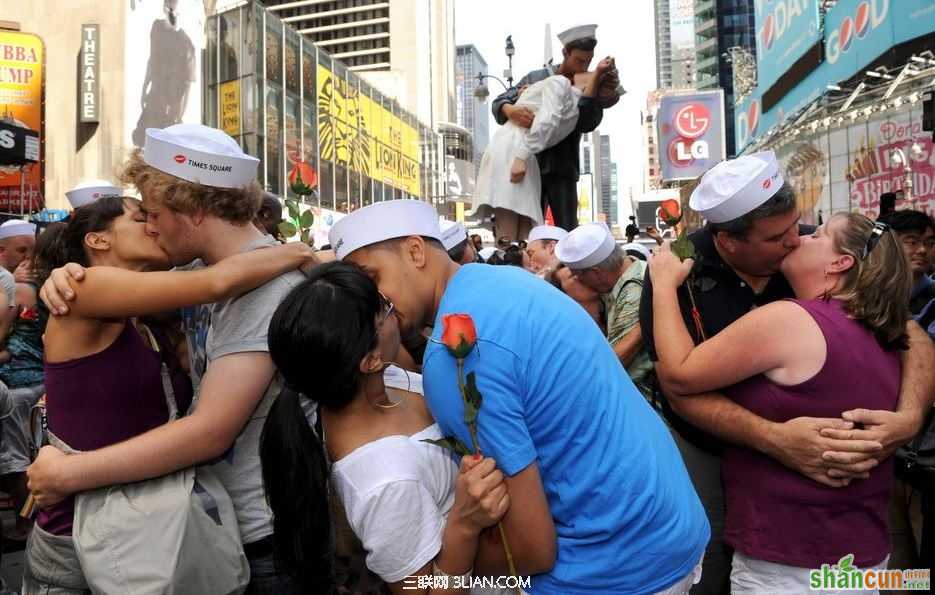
856,33
361,134
785,30
22,104
163,45
848,168
691,133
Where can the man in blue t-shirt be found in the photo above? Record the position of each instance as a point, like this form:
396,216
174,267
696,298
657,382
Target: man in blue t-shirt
600,499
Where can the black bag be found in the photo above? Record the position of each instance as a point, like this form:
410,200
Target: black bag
915,462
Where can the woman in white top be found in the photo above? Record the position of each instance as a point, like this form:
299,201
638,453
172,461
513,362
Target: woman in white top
508,182
414,512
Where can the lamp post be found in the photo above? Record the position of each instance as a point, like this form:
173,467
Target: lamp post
481,92
510,50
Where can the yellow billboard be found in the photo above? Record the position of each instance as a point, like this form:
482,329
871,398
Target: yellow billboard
230,107
359,133
22,82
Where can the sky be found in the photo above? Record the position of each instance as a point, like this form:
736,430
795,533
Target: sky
625,31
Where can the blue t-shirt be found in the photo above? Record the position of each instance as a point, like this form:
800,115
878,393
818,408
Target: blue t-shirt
626,514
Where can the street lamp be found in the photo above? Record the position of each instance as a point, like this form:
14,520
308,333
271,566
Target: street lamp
510,50
481,92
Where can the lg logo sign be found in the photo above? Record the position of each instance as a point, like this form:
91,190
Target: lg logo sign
691,122
869,15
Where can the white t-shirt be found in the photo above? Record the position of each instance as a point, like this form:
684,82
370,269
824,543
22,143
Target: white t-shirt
397,492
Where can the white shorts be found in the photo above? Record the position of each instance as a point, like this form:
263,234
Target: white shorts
750,576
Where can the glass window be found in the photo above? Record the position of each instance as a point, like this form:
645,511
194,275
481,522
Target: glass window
274,58
293,139
274,139
230,45
326,185
340,189
292,61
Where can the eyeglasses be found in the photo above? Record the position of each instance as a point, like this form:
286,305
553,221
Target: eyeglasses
875,234
388,308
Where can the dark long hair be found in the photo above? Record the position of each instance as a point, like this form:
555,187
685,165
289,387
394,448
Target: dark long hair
317,338
62,243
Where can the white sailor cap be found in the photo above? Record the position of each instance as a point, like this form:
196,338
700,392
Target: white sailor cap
585,246
16,227
383,221
637,247
486,253
89,191
546,232
199,154
578,32
452,233
733,188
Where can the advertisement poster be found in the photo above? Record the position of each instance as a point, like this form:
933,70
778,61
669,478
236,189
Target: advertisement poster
691,133
22,102
785,30
164,42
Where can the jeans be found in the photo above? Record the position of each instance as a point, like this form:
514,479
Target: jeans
266,580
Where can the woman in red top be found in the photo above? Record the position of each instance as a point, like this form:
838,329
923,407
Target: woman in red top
832,349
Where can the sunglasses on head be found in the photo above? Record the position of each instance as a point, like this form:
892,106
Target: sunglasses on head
875,234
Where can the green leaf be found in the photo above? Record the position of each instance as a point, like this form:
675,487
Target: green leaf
473,395
683,247
307,219
287,229
450,443
845,564
301,189
305,235
293,207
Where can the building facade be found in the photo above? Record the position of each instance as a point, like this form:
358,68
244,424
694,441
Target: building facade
292,105
605,168
719,26
675,44
472,113
405,48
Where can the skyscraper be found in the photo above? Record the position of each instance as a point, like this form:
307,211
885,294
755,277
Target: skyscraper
675,43
605,174
719,26
405,48
472,114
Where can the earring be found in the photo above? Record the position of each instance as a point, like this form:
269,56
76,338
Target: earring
408,385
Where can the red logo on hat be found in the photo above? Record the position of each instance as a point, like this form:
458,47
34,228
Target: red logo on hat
96,195
180,158
767,183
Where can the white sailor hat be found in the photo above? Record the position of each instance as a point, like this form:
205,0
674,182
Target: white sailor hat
486,253
199,154
578,32
89,191
452,233
637,247
546,232
16,227
585,246
733,188
383,221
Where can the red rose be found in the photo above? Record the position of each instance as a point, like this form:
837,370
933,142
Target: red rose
670,211
458,334
302,178
29,314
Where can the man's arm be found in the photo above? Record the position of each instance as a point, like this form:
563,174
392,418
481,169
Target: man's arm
797,443
629,345
889,428
529,529
230,391
510,96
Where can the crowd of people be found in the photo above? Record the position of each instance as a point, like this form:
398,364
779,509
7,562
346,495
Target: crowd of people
190,405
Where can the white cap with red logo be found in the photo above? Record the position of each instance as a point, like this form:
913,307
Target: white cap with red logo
16,227
733,188
585,246
199,154
89,191
452,233
383,221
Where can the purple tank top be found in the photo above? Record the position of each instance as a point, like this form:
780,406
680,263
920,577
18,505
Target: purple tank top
106,398
778,515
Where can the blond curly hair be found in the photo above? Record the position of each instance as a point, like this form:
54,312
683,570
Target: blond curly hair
235,205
